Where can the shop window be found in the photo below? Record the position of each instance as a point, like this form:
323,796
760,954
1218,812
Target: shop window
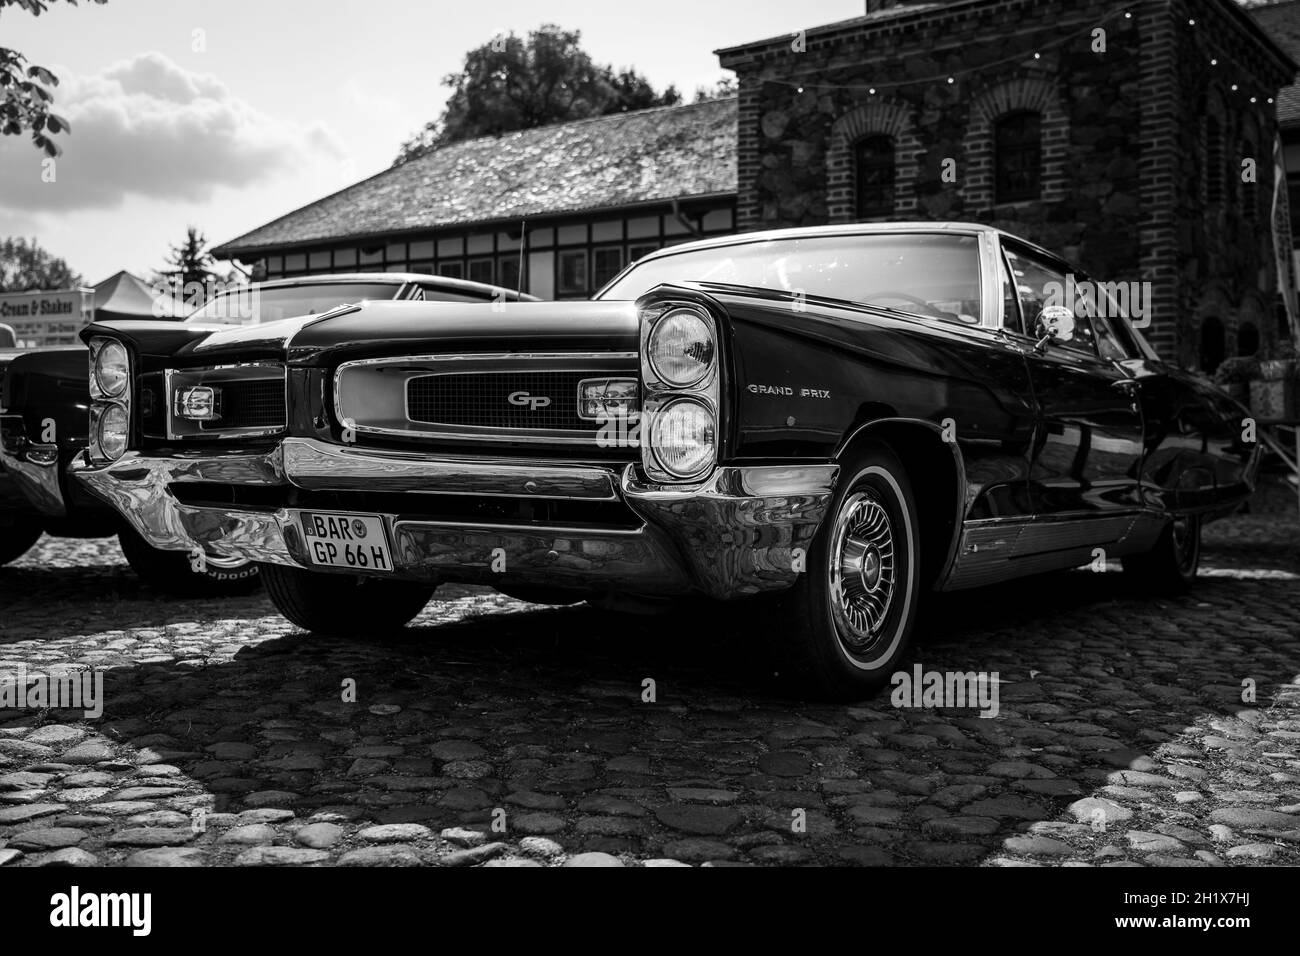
606,263
637,253
572,273
508,271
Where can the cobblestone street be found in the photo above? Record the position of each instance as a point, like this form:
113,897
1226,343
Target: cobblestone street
499,733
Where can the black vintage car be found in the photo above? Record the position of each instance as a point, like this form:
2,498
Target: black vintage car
44,406
834,420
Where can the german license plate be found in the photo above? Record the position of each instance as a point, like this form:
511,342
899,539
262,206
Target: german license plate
355,542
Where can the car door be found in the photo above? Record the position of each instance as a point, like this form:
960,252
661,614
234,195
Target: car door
1196,455
1087,454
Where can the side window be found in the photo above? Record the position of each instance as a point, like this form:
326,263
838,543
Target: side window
1040,284
1111,341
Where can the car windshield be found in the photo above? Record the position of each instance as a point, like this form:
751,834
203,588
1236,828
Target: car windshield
927,274
254,304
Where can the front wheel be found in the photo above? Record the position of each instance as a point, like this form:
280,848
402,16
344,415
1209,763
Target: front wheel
848,620
16,539
1171,566
172,571
344,604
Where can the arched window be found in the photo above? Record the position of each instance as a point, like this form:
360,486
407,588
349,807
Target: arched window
1247,339
1213,347
874,176
1018,155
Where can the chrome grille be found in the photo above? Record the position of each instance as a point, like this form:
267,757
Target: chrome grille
467,397
253,404
250,399
484,399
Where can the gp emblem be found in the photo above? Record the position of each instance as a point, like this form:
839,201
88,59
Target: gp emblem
534,402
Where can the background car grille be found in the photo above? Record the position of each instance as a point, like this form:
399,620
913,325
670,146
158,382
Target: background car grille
251,404
483,399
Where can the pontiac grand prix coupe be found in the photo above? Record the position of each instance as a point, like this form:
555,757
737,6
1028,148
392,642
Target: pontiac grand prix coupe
832,420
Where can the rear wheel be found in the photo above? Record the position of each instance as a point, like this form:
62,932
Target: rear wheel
848,620
1171,566
16,539
171,571
344,604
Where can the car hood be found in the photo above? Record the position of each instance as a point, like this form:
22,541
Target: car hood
374,329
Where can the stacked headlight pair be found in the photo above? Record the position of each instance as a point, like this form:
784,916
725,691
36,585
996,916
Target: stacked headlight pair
110,391
679,365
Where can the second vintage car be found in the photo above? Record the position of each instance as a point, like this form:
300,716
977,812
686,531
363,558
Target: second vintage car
44,420
834,420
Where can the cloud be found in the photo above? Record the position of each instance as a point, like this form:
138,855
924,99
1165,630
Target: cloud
147,127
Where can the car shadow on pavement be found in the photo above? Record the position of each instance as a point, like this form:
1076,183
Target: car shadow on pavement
659,737
54,601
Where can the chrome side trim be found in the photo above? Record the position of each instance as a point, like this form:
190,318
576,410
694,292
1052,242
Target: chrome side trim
316,465
1001,549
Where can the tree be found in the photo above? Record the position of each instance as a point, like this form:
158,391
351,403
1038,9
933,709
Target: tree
26,267
25,97
190,263
511,83
725,87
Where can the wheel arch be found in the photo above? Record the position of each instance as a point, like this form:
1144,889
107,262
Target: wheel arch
937,475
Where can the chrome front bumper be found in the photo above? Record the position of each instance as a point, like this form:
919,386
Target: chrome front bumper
742,531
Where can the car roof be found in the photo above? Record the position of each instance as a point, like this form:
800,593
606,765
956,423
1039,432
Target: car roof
389,278
846,229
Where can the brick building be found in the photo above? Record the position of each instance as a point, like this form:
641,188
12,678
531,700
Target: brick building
1112,133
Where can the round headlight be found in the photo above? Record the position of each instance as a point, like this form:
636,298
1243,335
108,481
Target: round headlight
114,430
112,369
684,438
681,348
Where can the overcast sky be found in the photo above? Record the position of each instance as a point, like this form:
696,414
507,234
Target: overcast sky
290,101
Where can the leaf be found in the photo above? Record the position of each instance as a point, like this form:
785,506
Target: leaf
57,124
42,75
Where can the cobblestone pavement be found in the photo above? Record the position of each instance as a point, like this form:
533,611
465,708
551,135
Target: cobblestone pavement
502,733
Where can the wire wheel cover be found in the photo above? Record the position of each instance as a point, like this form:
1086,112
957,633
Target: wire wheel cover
863,574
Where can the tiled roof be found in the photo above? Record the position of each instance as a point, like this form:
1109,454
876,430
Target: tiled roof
871,18
660,154
1281,21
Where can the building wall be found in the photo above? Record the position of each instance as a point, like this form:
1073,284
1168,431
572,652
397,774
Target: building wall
1121,146
1224,259
565,258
